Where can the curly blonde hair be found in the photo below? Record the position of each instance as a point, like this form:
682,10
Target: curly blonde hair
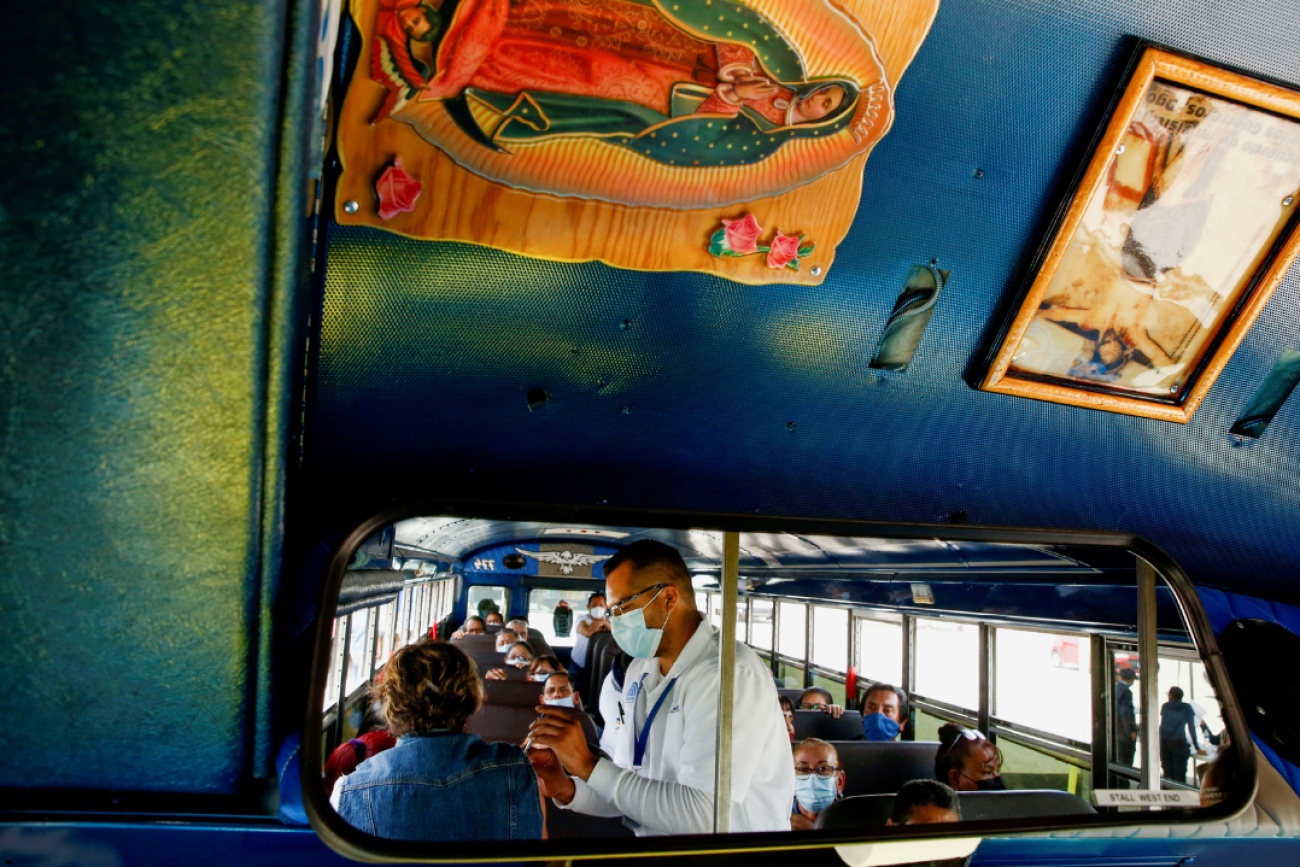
429,685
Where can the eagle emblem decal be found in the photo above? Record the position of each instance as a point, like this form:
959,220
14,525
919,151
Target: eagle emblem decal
566,560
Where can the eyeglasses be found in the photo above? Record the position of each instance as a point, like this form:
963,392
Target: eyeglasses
621,608
802,771
964,734
816,706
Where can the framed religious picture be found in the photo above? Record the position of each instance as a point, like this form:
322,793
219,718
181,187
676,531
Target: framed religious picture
723,136
1183,223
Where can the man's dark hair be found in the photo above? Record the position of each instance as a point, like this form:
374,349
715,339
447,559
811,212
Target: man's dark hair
1176,693
593,597
1127,674
481,621
649,554
923,793
904,708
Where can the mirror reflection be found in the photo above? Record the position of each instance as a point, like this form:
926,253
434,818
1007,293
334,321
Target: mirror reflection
513,680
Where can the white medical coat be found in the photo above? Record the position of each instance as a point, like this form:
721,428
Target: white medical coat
672,791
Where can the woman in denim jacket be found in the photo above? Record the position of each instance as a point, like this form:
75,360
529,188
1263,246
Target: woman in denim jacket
439,783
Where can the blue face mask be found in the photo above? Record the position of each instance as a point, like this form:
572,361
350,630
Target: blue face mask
878,727
567,701
633,636
815,793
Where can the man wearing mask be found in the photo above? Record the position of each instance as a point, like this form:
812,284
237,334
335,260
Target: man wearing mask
885,713
967,761
588,625
506,639
559,692
661,778
818,781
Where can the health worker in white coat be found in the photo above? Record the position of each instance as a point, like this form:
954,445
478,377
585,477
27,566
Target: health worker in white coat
661,778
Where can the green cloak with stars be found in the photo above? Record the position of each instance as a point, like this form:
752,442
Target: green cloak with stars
682,138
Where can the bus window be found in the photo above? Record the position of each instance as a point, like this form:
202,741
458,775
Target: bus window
1043,680
761,618
358,651
332,684
880,650
830,648
541,612
791,642
488,597
384,641
948,662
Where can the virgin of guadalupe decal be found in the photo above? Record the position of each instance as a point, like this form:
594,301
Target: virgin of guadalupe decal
572,129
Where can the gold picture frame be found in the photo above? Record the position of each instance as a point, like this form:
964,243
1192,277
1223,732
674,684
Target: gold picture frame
1183,224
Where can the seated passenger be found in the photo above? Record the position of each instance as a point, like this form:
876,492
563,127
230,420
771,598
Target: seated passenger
520,627
418,789
925,802
495,617
519,655
816,698
966,760
559,691
818,781
543,667
884,713
1220,775
787,710
507,638
474,625
346,757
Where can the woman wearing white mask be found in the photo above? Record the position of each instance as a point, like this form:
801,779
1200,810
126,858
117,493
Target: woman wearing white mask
818,781
543,667
588,625
518,655
661,778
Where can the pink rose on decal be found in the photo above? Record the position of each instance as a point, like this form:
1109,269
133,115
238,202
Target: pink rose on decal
736,237
397,191
785,251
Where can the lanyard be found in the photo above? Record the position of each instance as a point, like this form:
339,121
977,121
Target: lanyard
641,739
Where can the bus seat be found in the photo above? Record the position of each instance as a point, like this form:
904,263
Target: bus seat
513,691
573,825
872,768
508,723
793,694
591,680
494,628
475,642
819,724
869,810
539,644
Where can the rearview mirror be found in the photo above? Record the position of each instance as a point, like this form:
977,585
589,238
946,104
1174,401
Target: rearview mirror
847,683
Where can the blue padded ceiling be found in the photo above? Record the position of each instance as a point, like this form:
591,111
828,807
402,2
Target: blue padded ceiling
428,350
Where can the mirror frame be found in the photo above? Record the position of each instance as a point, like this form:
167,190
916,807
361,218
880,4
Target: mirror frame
358,845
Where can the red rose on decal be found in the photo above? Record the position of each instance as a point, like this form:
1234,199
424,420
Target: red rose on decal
397,191
741,236
785,251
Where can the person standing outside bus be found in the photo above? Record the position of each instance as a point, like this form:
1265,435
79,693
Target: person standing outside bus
1176,717
661,778
588,625
1126,727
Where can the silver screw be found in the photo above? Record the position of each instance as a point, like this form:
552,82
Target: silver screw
1119,150
817,270
351,206
1260,711
1288,201
1173,389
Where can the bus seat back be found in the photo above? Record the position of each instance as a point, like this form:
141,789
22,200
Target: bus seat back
524,692
875,810
872,768
508,723
819,724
